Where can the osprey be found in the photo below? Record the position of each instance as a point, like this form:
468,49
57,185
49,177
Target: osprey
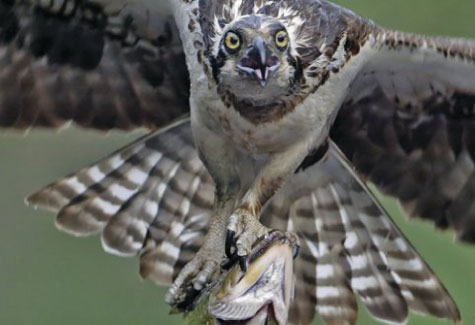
265,115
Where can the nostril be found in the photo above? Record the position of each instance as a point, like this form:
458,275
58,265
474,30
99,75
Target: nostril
272,61
249,63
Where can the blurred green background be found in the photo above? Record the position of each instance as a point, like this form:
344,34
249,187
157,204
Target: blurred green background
47,277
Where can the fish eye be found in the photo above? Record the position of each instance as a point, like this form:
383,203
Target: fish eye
282,39
232,41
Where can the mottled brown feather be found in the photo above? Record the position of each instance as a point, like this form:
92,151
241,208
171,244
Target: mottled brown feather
59,67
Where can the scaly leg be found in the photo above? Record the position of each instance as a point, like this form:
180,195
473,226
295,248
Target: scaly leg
205,266
219,157
244,227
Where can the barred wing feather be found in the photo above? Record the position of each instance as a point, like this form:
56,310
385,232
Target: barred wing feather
408,126
149,198
349,247
153,199
99,64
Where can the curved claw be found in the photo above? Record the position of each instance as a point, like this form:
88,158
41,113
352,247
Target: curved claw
244,230
227,264
295,251
187,303
193,278
243,263
231,253
230,244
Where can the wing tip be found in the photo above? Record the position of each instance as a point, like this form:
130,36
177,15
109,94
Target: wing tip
112,249
70,229
149,269
41,200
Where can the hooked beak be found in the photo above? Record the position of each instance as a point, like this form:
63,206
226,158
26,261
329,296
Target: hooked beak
258,62
263,293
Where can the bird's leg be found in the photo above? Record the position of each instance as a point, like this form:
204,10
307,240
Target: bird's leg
205,266
244,227
218,156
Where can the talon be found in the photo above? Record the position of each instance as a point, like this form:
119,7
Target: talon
294,242
295,250
230,243
187,302
202,270
227,264
243,263
244,230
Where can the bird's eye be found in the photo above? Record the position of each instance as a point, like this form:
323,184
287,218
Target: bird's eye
232,41
282,39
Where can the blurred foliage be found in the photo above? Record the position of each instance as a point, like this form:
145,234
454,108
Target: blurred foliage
47,277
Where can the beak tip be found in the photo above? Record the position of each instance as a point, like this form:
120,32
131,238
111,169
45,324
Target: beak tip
261,76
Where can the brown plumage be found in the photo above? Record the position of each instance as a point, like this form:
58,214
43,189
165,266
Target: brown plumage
406,124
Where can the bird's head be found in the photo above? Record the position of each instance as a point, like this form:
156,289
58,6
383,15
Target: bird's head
266,57
253,58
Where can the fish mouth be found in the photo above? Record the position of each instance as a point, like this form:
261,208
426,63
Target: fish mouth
260,295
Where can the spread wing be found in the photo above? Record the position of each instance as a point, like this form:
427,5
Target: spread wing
350,247
408,126
153,199
150,199
100,64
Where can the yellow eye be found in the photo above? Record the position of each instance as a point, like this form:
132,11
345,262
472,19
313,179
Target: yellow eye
282,39
232,41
